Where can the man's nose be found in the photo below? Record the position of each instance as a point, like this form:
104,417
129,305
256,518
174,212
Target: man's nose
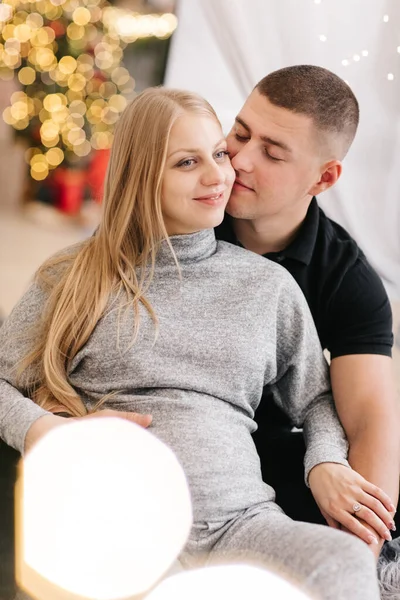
242,160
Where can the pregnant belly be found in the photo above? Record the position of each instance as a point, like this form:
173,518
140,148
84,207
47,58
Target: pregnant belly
213,442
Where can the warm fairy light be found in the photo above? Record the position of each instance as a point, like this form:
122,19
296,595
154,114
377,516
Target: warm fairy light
67,65
323,38
54,157
345,62
81,16
386,18
365,52
89,83
6,12
390,76
356,57
27,75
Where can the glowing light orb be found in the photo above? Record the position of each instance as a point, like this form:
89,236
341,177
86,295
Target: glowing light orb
103,509
236,582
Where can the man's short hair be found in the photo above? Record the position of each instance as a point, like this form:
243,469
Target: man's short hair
316,93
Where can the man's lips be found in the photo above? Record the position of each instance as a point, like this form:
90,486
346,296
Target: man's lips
241,185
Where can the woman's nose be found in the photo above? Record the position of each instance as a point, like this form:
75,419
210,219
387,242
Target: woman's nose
213,175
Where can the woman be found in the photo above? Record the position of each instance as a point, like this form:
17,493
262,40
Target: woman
152,315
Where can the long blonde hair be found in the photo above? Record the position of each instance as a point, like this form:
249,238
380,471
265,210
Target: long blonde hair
80,281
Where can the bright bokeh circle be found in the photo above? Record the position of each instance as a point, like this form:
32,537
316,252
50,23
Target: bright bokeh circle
233,582
104,509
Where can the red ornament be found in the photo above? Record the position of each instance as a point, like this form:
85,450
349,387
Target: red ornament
58,28
69,189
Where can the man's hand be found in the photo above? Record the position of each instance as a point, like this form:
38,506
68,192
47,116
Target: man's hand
44,424
337,489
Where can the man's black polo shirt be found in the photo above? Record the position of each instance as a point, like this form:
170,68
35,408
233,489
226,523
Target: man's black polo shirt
348,302
346,297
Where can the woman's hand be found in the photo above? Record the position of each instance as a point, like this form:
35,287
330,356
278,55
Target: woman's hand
44,424
347,500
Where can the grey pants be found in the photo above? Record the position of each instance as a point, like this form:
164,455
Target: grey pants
326,563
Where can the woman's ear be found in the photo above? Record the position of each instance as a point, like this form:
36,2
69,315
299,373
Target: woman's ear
331,172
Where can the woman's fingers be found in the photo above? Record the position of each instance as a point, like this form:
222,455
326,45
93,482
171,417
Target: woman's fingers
378,509
373,519
139,419
353,525
379,494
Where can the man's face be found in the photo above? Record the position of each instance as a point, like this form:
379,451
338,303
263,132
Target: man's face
274,152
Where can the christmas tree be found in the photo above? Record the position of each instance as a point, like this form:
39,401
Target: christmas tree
68,56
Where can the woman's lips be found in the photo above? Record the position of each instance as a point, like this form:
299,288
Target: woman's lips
211,199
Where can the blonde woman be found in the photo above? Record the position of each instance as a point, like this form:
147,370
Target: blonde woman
151,315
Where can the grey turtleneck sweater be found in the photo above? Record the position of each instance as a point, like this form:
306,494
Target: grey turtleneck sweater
233,323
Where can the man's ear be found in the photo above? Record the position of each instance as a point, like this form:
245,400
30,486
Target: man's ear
331,172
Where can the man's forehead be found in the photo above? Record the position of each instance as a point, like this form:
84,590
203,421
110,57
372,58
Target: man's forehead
263,118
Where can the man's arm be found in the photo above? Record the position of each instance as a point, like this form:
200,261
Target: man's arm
365,397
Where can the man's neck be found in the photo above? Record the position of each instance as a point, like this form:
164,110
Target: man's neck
269,234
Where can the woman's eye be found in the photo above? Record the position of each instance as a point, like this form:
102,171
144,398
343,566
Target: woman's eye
221,154
186,163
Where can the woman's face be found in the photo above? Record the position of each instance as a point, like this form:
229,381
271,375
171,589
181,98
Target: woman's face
198,176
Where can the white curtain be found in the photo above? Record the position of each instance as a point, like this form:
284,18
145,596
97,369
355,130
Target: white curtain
223,47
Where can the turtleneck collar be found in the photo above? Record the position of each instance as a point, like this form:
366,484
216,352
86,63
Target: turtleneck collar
192,247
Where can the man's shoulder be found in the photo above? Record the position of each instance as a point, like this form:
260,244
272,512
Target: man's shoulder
336,239
339,254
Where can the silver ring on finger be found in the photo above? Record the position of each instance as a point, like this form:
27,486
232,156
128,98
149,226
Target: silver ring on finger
356,508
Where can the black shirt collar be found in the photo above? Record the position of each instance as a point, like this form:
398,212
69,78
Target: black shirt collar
302,247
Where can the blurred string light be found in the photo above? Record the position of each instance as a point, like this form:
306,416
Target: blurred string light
68,56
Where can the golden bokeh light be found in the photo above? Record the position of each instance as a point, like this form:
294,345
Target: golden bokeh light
81,16
23,32
76,82
54,157
67,65
52,102
118,102
5,13
34,21
75,32
74,50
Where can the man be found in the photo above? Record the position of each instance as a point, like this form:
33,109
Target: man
287,146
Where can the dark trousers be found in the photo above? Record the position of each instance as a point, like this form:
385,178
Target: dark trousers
282,456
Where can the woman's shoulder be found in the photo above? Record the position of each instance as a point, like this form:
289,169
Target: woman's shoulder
54,266
255,263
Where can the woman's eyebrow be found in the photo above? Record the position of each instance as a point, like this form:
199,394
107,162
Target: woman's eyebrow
196,150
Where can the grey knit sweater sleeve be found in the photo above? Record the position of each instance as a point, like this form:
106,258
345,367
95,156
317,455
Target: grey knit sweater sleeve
17,411
302,386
